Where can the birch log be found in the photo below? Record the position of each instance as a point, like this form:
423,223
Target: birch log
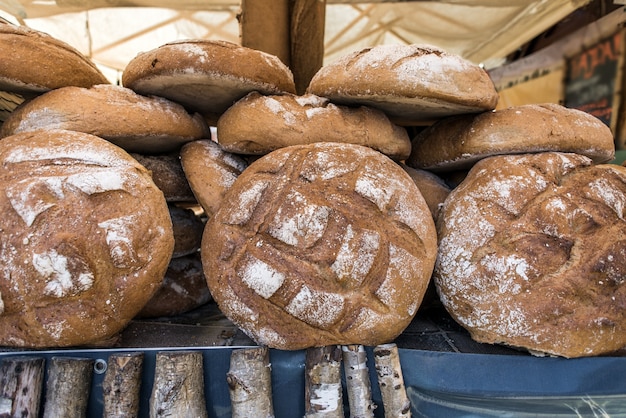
178,387
358,385
323,396
21,384
391,381
68,387
250,383
121,385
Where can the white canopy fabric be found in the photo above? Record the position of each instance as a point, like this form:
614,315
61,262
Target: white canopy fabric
112,32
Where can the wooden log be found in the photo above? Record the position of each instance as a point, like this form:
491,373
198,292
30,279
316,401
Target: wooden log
178,387
122,384
308,21
391,381
250,383
264,26
21,385
68,387
323,397
358,385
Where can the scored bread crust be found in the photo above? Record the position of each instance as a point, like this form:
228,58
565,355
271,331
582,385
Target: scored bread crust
86,239
531,254
410,83
458,142
258,124
320,244
134,122
35,62
207,76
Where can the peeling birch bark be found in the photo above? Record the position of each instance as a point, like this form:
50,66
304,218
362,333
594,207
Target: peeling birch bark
21,384
178,387
323,392
391,382
121,385
358,383
68,387
250,383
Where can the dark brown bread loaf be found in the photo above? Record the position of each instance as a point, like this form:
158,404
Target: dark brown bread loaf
206,76
188,228
531,254
86,239
258,124
320,244
167,173
433,188
148,125
457,142
413,84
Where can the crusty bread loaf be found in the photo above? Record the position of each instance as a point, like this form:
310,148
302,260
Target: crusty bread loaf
531,254
258,124
35,62
86,239
433,188
320,244
149,125
211,171
457,142
167,173
413,84
184,288
206,76
188,228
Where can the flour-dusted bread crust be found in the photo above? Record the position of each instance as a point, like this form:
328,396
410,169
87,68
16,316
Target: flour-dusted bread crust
457,142
411,83
320,244
34,62
211,171
532,254
183,289
136,123
86,239
206,76
258,124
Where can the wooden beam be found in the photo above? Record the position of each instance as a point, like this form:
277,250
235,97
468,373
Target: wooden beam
307,40
264,26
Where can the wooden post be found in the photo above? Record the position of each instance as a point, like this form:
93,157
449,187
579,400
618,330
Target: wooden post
21,384
264,26
178,388
250,383
391,382
121,385
68,387
308,20
358,383
323,392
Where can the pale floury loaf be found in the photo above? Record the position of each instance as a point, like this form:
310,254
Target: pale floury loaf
320,244
86,239
532,254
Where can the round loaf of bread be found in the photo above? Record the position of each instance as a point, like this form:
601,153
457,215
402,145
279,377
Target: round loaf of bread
320,244
188,228
412,84
136,123
532,254
457,142
206,76
184,288
258,124
433,188
211,171
35,62
86,239
167,173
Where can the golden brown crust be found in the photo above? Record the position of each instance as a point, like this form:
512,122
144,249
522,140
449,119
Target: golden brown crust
459,141
211,171
35,62
320,244
205,75
86,240
531,254
149,125
258,124
411,83
433,188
